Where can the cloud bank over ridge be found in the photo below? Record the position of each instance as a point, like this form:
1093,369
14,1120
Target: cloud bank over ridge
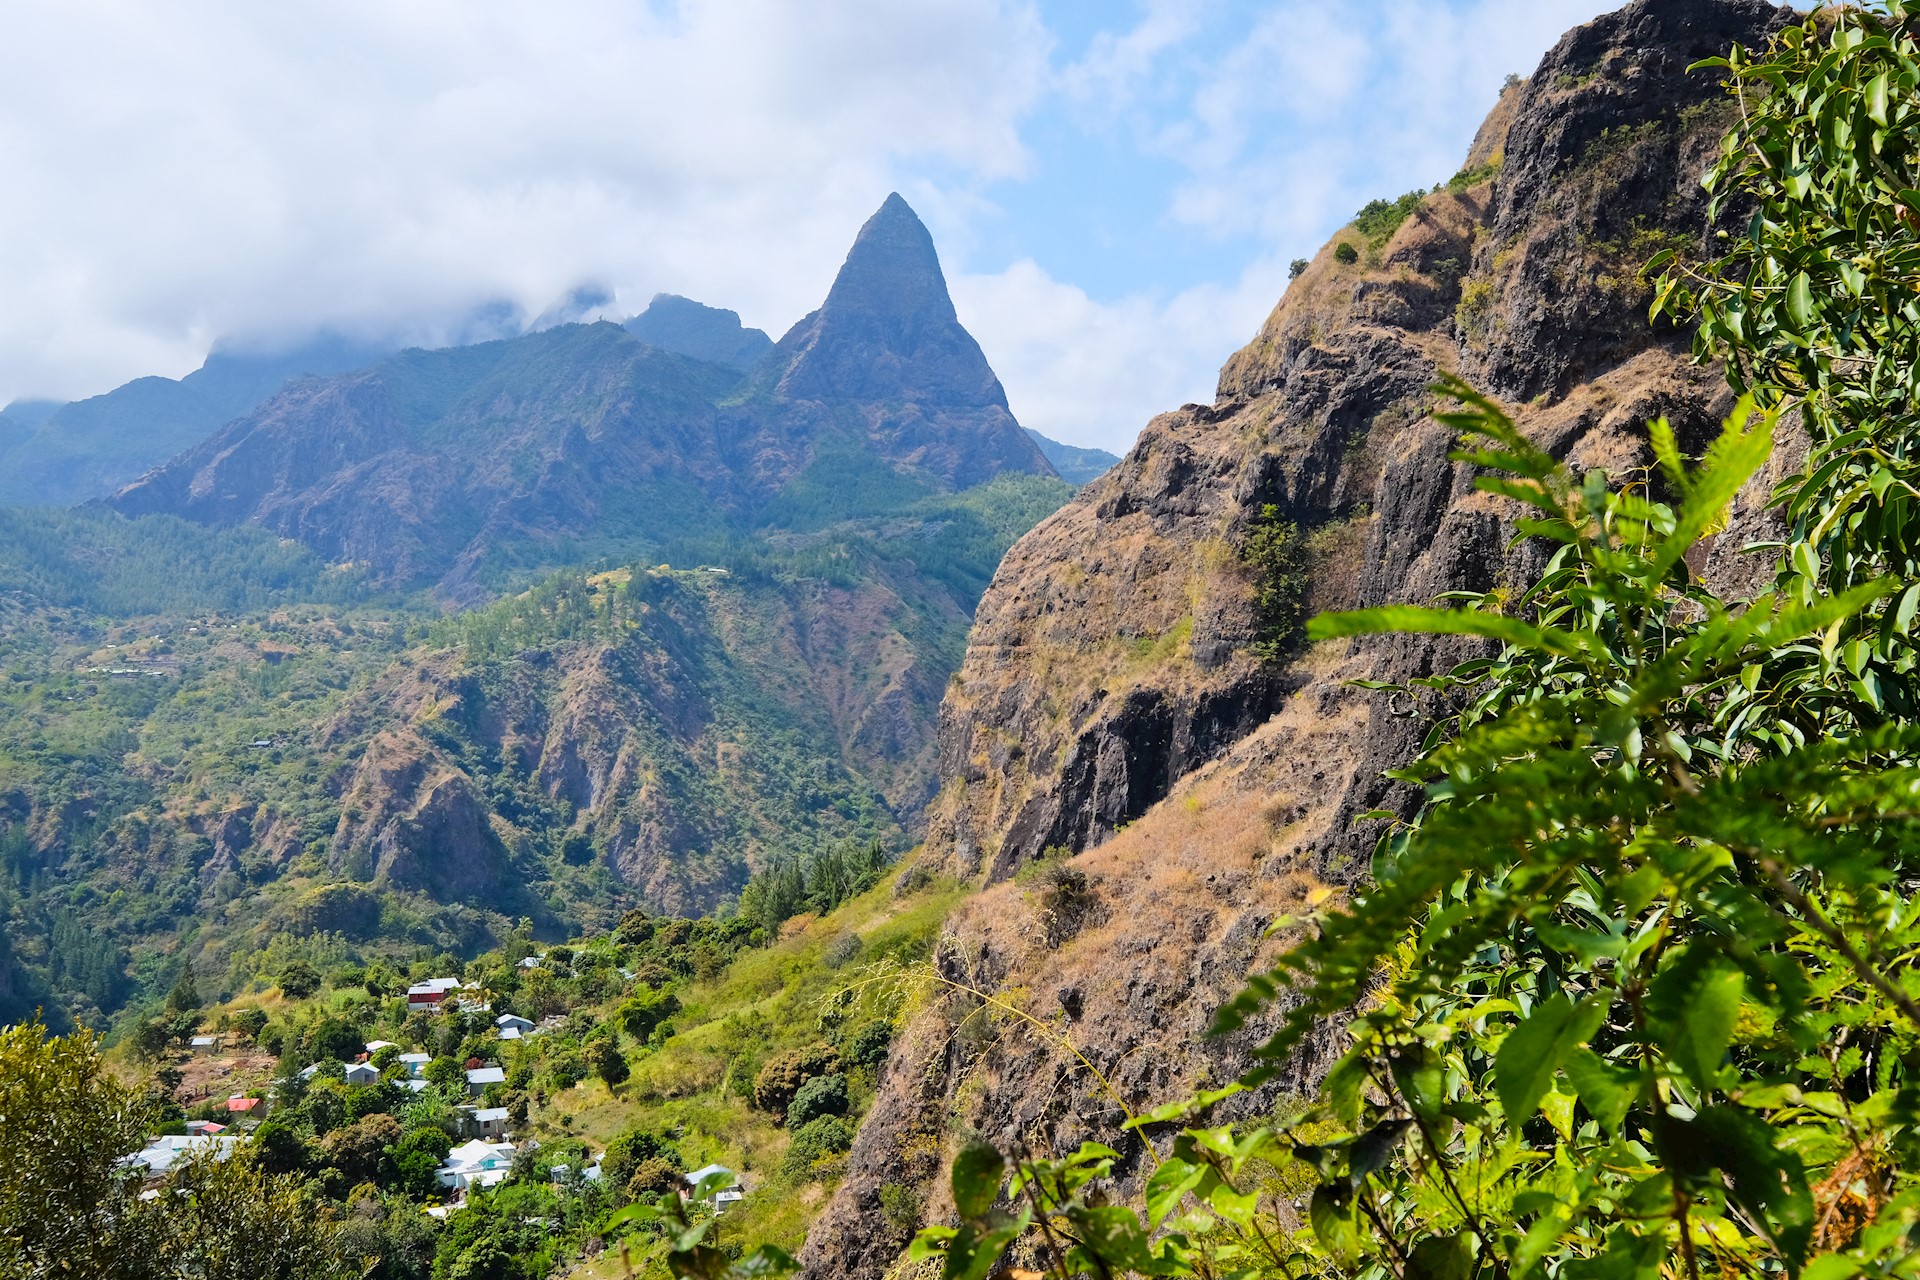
1115,194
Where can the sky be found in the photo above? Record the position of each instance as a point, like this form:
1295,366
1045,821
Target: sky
1116,187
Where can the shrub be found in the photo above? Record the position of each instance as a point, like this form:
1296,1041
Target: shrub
842,950
1474,314
783,1075
653,1176
1277,555
1379,219
867,1046
900,1206
1345,252
820,1096
820,1140
1295,269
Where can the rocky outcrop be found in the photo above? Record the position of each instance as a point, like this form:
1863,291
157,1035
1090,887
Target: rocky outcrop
1109,702
712,334
440,467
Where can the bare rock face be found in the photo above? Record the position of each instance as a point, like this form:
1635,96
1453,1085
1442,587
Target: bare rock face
1108,702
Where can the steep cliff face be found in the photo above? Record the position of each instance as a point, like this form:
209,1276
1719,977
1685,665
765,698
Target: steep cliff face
452,467
1109,701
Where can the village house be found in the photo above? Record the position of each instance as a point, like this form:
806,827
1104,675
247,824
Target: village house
478,1078
476,1164
515,1023
245,1108
203,1045
362,1073
725,1196
489,1124
160,1155
415,1063
430,996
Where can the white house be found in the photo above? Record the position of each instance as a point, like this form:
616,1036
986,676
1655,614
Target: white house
513,1022
160,1155
478,1078
362,1073
531,962
415,1063
375,1046
476,1164
722,1198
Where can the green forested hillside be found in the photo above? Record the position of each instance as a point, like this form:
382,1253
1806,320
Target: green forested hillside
216,748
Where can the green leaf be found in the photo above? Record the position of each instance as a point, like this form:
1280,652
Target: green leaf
1800,303
1876,100
1441,1258
1447,622
1524,1067
1692,1005
1372,1149
1169,1184
1606,1092
977,1171
1332,1214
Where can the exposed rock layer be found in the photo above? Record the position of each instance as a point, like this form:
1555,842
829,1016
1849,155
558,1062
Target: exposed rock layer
1109,702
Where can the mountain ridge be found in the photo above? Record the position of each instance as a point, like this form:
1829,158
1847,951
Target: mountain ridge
435,467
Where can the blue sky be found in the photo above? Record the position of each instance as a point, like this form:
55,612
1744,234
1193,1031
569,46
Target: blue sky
1116,188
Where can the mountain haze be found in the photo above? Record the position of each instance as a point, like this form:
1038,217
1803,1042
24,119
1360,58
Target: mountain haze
457,468
60,454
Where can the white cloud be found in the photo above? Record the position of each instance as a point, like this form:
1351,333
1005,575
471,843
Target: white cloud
184,171
1285,121
1092,373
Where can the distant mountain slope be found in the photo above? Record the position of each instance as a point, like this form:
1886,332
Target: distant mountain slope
715,615
1076,466
457,467
688,328
62,454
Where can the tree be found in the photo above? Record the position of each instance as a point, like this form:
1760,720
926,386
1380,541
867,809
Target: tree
299,980
604,1056
820,1096
60,1201
446,1073
249,1022
149,1040
67,1209
279,1148
335,1039
185,996
644,1010
627,1151
784,1073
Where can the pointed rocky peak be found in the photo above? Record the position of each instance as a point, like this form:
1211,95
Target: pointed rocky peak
887,331
893,270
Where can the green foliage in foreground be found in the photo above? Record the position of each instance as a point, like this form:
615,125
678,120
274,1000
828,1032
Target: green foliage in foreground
68,1208
1636,995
